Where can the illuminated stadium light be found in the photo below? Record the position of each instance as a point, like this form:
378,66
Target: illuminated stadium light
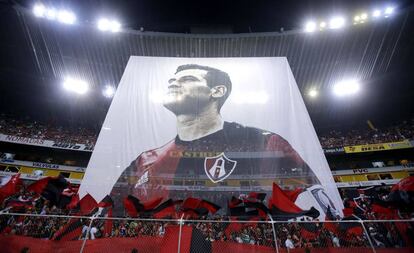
388,11
66,17
313,93
109,25
39,10
77,86
109,91
364,16
337,22
345,88
115,26
376,13
322,24
310,26
103,24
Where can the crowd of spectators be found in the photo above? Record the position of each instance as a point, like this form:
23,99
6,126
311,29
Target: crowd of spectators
47,131
212,228
398,132
82,135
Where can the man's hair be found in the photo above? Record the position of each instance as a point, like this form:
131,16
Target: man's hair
214,77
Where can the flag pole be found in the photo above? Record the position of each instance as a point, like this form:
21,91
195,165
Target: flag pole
274,232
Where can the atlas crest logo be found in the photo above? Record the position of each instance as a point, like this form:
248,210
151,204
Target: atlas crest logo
219,167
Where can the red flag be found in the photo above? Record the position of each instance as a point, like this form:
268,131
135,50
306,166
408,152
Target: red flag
166,209
11,187
382,212
108,224
151,204
233,227
257,195
130,208
406,184
71,231
39,185
348,211
293,194
308,234
191,203
282,202
87,204
73,202
106,202
211,207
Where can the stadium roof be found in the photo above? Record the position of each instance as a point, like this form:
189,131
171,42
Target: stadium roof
36,55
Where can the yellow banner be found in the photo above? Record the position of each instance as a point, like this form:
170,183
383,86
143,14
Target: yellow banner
378,147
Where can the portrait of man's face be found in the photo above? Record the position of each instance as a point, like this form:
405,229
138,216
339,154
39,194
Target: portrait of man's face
255,106
188,92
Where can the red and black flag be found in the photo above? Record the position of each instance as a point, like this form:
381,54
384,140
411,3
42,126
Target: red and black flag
164,210
309,231
107,204
257,195
354,228
193,207
293,194
17,205
329,225
71,231
11,187
402,194
247,208
282,208
50,188
152,208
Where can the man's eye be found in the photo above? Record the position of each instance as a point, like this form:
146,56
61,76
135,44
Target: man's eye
188,79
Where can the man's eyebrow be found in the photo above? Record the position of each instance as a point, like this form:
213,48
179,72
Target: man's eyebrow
188,77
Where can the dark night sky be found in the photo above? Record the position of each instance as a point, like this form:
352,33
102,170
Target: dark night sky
241,15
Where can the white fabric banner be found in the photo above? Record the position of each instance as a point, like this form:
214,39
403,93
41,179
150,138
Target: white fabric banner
151,123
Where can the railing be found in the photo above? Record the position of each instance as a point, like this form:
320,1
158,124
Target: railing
58,233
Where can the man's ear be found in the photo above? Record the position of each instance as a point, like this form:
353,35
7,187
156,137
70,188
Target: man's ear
218,91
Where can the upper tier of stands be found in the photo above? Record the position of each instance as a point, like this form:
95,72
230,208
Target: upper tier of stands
25,127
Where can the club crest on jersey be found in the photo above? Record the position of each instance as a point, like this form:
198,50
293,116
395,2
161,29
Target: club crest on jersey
219,167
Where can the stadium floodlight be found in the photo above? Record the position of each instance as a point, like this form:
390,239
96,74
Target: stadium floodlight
115,26
322,24
336,22
109,91
39,10
346,87
364,16
357,18
66,17
313,93
376,13
310,26
105,24
388,11
74,85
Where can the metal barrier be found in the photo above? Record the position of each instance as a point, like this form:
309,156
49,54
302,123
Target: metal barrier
58,233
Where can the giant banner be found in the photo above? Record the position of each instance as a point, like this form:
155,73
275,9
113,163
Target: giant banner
203,122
